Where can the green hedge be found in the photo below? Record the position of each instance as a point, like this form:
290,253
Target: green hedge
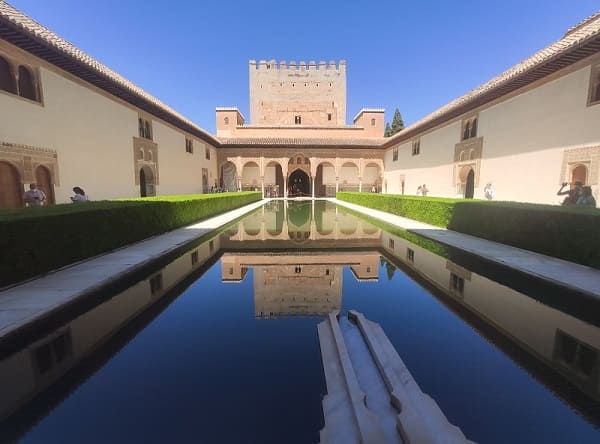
40,239
570,233
432,210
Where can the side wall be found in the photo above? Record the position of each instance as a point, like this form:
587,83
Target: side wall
91,136
530,143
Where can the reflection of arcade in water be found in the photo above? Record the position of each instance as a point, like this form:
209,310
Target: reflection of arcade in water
560,334
298,284
310,223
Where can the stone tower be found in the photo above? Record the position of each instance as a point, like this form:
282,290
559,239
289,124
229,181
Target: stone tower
297,94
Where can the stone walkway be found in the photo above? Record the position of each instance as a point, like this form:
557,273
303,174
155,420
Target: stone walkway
34,299
567,274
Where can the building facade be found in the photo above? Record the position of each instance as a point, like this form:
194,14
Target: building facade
68,121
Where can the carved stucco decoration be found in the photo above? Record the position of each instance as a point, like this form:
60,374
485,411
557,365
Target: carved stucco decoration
145,154
585,155
26,159
467,154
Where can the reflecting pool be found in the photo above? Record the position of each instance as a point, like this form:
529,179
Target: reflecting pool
219,343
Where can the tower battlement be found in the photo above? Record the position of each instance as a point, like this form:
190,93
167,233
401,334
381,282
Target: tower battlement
292,65
297,93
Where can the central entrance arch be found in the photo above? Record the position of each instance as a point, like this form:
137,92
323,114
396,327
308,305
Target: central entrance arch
299,184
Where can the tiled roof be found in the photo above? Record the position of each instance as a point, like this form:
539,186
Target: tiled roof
25,32
579,42
277,142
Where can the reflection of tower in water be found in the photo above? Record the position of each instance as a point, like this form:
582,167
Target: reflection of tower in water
298,284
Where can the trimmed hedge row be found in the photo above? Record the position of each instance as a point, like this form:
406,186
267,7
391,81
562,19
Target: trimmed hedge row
40,239
432,210
569,233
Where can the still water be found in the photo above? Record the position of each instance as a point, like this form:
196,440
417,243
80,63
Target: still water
219,345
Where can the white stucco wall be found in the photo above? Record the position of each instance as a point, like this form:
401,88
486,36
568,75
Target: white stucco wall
93,137
524,138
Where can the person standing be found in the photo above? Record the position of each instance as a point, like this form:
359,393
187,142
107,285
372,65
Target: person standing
424,190
572,194
34,197
79,196
488,192
586,197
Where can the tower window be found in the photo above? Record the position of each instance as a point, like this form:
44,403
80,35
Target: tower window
328,114
372,122
297,120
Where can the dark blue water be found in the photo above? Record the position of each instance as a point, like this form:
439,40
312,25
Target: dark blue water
206,369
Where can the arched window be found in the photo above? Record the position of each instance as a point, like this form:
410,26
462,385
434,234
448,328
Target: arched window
141,154
7,82
226,120
140,127
26,84
467,130
372,122
471,154
462,155
474,128
148,130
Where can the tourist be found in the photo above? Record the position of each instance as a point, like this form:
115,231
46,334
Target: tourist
34,197
424,190
488,192
79,196
573,194
586,197
420,191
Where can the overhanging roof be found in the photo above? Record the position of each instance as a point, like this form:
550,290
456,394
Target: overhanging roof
27,34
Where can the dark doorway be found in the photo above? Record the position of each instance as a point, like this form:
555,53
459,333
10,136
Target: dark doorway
470,185
298,184
146,182
11,189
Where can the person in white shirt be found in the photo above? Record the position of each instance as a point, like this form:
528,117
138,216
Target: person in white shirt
79,196
488,192
34,197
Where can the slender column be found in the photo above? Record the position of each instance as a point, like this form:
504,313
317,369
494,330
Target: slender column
239,183
285,187
360,184
313,187
337,184
262,185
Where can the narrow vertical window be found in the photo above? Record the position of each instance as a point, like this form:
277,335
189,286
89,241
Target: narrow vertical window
7,81
26,84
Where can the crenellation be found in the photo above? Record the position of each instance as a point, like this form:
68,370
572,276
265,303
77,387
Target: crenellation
289,91
283,65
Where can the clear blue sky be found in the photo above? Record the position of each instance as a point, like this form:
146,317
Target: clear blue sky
417,56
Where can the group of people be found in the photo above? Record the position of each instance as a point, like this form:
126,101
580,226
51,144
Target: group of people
577,195
34,197
422,190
